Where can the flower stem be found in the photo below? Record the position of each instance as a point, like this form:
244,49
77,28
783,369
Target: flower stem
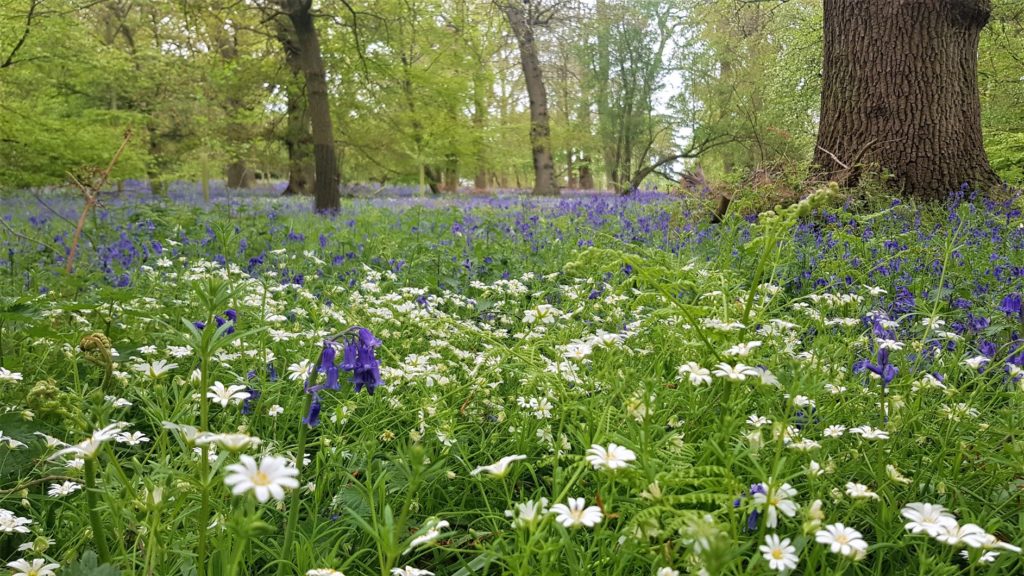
204,467
98,534
293,504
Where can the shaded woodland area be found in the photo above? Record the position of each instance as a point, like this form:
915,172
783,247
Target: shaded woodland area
451,95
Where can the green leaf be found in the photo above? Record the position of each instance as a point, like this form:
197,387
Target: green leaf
88,565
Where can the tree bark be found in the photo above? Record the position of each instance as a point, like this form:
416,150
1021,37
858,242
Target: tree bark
480,87
327,197
298,139
586,174
239,175
540,129
900,91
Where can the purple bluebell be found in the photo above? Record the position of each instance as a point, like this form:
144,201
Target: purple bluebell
328,367
883,368
247,404
1011,304
312,418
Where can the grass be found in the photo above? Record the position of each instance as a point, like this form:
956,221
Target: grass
514,326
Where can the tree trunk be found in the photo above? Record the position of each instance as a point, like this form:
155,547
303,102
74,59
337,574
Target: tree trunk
239,175
451,172
586,174
900,91
327,197
299,142
297,137
570,180
480,87
540,129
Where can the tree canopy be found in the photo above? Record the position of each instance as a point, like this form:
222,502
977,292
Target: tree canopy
431,92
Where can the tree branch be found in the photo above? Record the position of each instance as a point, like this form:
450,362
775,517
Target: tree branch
21,41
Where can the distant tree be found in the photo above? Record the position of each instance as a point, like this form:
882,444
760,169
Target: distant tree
900,90
326,194
523,16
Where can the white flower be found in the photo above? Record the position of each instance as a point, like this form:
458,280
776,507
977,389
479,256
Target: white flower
895,475
410,571
324,572
842,540
526,513
8,376
613,457
226,395
231,441
801,401
270,478
987,557
815,469
767,378
969,534
977,362
805,444
856,490
743,349
117,402
189,433
696,374
275,411
757,421
869,433
90,446
666,571
11,442
993,542
927,518
31,545
499,468
132,439
154,369
428,537
38,567
780,554
890,344
735,373
300,370
65,489
834,431
577,513
777,500
10,523
51,442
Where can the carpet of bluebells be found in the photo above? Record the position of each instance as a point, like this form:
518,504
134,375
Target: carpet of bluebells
586,384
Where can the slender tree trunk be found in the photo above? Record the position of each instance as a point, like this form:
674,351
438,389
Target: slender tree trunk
540,129
327,197
900,91
605,131
571,181
480,87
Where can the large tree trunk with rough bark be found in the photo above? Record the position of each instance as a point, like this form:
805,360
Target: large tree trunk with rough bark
900,92
297,136
327,197
540,129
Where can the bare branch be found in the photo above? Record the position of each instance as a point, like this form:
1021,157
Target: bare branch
24,35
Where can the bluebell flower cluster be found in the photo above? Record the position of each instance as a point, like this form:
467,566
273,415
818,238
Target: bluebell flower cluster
358,357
